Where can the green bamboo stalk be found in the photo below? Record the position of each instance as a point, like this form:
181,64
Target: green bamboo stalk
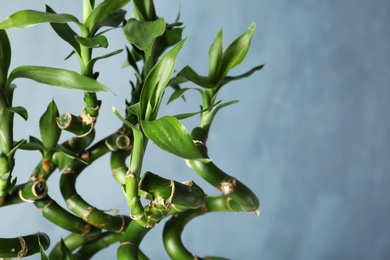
72,242
26,192
77,204
174,227
78,144
167,192
53,212
227,184
91,248
33,191
23,245
131,239
117,142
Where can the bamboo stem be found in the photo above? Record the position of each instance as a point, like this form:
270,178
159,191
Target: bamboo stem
23,245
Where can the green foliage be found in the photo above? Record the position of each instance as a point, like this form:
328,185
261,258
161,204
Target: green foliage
152,52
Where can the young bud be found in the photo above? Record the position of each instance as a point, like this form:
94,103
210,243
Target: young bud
50,132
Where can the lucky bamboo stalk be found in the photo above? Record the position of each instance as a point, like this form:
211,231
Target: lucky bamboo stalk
174,227
23,245
77,204
93,247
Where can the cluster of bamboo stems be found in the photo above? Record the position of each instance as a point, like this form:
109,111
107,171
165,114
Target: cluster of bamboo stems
154,45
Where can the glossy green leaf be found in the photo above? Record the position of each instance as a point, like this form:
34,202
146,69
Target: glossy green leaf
188,73
16,146
113,19
32,144
215,55
144,10
57,77
27,18
235,53
93,42
5,57
63,156
171,136
65,32
92,62
227,79
143,33
214,111
66,254
177,94
191,114
101,12
156,82
21,111
42,250
170,37
50,132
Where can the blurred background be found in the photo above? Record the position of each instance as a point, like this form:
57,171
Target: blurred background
310,135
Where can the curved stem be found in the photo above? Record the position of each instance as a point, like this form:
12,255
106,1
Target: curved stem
103,241
129,247
77,204
174,227
23,245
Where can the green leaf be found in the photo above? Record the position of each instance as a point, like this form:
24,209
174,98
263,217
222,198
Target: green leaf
94,42
66,254
214,111
156,82
171,136
16,146
42,251
65,32
5,57
215,54
32,145
170,37
143,33
144,10
188,73
27,18
235,53
91,63
176,94
227,79
187,115
101,12
21,111
63,156
113,19
57,77
50,132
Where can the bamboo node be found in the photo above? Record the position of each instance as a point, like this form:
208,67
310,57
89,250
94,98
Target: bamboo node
23,248
229,186
23,198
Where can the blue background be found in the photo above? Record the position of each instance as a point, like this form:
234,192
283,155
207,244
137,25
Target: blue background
310,134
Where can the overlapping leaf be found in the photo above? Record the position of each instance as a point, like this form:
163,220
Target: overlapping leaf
57,77
171,136
143,33
27,18
156,82
5,57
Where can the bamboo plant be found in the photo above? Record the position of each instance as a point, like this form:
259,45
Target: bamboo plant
153,45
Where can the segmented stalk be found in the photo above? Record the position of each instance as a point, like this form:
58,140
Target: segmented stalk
23,245
174,227
227,184
72,242
131,239
63,218
77,204
91,248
